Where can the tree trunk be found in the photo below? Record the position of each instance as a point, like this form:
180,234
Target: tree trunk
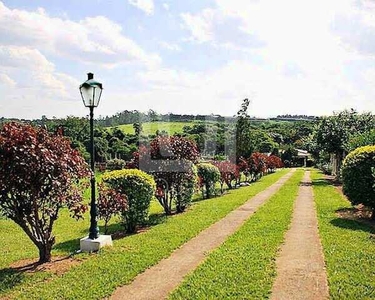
373,214
208,191
167,210
45,252
180,208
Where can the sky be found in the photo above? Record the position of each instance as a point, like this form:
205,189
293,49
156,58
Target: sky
188,57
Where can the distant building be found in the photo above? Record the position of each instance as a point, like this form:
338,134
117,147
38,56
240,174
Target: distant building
303,155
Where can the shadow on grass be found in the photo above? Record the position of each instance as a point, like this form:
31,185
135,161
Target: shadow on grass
19,272
71,246
355,225
116,230
67,246
156,219
320,182
9,278
218,194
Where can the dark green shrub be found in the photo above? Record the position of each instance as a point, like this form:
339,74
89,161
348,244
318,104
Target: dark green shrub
116,164
357,177
177,187
185,191
139,187
208,176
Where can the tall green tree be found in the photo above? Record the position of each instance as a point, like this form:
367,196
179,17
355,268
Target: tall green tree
244,146
334,132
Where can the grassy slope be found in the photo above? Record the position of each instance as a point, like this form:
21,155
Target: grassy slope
349,246
151,127
244,267
99,275
15,245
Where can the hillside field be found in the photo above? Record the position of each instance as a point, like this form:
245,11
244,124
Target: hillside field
151,127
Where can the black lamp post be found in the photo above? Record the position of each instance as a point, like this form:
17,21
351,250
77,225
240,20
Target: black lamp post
91,91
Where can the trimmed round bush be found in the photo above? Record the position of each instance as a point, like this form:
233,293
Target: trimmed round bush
209,175
185,190
139,188
358,181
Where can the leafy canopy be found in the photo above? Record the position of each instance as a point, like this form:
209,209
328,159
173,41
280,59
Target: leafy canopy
39,174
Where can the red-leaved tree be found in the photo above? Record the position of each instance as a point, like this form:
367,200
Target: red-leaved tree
274,162
229,173
244,167
39,175
258,164
170,160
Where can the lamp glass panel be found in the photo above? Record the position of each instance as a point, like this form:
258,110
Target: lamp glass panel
87,95
97,92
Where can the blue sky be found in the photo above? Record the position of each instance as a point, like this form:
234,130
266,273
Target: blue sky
187,56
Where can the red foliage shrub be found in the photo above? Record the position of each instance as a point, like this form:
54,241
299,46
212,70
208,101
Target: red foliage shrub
174,148
229,172
39,174
169,160
244,167
110,203
258,164
274,162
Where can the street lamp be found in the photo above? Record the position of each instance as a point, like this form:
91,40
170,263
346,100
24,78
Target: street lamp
91,92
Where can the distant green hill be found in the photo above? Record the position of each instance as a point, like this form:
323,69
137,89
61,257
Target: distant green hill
151,127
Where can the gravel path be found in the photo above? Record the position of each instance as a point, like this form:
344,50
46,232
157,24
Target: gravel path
300,265
158,281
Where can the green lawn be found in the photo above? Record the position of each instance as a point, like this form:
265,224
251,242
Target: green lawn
152,127
349,246
244,266
99,275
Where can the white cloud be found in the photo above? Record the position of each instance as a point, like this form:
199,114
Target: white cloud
31,85
34,70
170,46
23,58
6,81
146,5
39,88
200,25
289,57
222,89
94,40
166,6
302,63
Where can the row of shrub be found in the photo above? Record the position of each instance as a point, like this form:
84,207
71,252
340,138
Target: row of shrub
172,174
40,174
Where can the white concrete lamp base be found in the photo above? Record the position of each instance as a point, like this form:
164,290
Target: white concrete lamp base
89,245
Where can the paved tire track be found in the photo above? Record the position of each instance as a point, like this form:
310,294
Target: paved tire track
300,266
158,281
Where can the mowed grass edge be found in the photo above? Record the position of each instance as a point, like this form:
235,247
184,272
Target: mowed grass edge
349,245
98,276
244,266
